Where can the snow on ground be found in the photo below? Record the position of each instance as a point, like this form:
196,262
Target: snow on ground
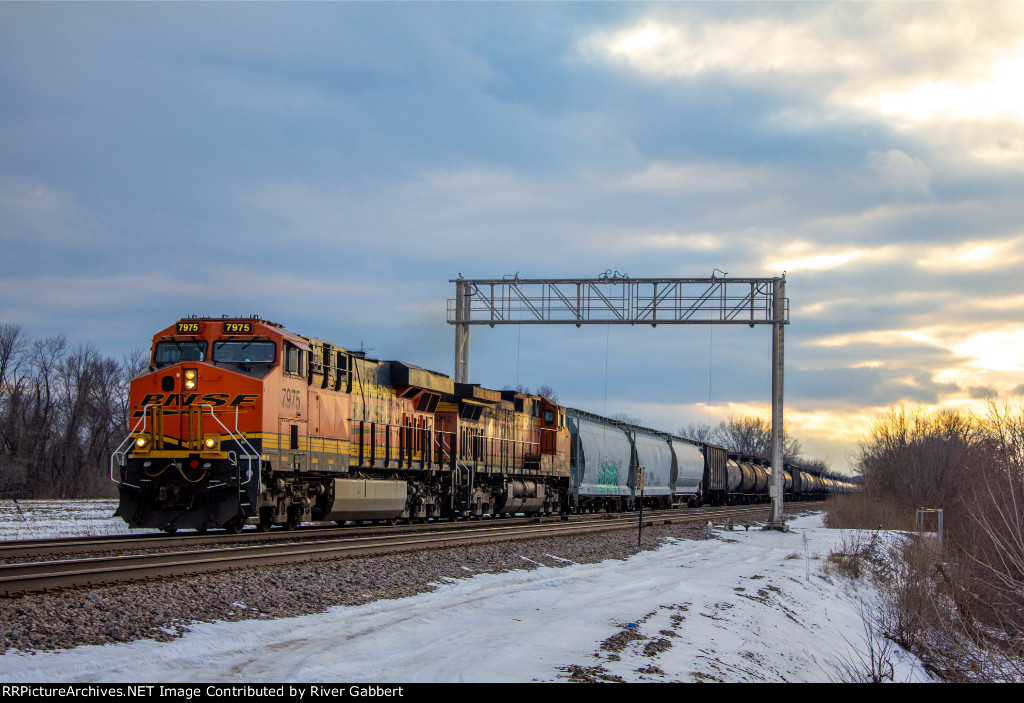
44,519
744,606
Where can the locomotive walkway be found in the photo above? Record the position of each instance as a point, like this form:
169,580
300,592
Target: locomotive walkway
314,545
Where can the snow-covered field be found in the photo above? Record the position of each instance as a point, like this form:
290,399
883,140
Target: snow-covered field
41,519
744,606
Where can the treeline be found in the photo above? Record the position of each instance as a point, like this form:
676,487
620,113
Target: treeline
63,411
958,604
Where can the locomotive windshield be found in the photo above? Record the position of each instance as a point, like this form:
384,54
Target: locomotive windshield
173,352
244,352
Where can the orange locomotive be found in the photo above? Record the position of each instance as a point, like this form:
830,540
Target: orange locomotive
239,420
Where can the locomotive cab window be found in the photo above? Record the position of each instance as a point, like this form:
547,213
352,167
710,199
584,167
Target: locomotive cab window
294,360
244,352
172,352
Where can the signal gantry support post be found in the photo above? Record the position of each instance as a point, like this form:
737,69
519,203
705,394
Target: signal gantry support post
462,312
778,363
620,300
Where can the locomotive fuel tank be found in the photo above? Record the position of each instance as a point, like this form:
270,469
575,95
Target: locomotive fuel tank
360,499
521,497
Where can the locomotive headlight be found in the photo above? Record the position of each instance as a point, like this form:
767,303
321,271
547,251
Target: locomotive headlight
141,442
210,443
190,379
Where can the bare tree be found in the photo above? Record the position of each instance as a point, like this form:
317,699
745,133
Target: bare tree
698,432
917,458
548,392
627,419
752,436
12,348
61,412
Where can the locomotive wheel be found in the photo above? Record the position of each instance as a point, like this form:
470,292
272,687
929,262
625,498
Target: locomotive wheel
235,526
266,520
169,530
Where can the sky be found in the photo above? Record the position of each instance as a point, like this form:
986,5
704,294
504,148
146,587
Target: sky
332,166
743,606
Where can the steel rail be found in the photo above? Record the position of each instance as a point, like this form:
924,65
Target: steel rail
28,577
14,549
21,549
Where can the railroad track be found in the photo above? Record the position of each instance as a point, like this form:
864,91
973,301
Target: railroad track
23,549
25,577
80,545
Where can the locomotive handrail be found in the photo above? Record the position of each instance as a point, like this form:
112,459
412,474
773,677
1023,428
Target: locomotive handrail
121,455
469,473
446,449
240,440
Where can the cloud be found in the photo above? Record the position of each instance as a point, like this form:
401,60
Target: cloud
909,64
982,392
664,177
974,255
998,350
963,257
820,262
900,171
989,93
698,241
752,46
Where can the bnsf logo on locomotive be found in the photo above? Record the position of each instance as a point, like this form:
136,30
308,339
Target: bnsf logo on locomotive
170,400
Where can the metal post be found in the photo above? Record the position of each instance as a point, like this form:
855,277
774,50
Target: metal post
640,525
778,469
462,312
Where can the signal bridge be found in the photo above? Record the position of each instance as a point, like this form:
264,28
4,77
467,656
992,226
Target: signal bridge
615,299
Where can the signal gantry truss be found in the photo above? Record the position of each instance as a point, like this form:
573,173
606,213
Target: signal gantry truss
616,301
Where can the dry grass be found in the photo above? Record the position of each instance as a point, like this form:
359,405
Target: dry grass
934,603
855,511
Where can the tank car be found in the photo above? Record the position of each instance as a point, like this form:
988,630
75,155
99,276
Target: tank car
239,420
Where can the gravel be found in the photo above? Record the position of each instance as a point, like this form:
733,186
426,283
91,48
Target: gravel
164,609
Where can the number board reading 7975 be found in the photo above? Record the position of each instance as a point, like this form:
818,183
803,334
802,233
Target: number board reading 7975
188,328
237,328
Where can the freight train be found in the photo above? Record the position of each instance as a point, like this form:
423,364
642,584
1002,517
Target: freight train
240,421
